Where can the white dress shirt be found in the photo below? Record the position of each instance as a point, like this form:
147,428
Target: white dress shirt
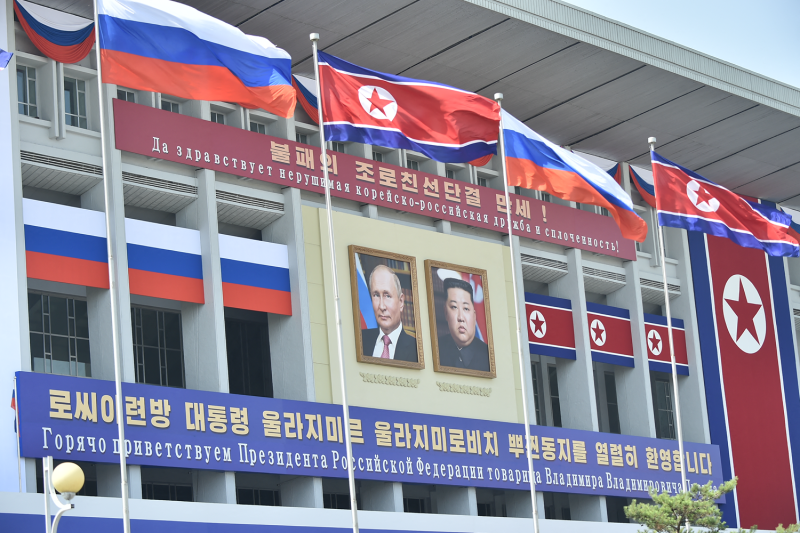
393,336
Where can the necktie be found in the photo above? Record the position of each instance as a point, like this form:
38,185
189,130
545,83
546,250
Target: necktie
386,342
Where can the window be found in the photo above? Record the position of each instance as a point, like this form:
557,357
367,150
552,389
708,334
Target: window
414,505
555,402
546,197
271,498
249,368
338,147
258,128
662,407
128,96
413,165
75,103
167,491
157,347
172,107
536,392
482,182
377,156
59,330
26,91
450,174
219,118
336,501
611,402
485,509
302,138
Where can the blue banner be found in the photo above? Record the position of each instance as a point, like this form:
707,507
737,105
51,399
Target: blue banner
74,419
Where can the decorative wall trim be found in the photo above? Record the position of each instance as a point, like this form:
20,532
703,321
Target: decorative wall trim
464,389
383,379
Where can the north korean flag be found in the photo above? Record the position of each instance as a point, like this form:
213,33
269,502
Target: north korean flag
610,332
658,352
444,123
685,199
550,329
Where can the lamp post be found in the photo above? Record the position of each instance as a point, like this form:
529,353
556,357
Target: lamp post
67,479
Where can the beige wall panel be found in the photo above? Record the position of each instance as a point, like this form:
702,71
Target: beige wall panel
502,404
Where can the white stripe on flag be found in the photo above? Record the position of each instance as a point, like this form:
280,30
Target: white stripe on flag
63,218
162,236
252,251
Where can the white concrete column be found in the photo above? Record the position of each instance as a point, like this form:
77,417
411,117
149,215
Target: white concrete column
204,349
575,378
691,389
16,354
456,500
290,336
301,492
634,399
382,496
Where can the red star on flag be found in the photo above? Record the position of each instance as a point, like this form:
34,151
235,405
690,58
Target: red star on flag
745,312
537,324
378,102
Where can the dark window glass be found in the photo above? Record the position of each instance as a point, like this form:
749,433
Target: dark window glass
662,407
59,335
172,107
75,102
482,182
249,367
336,501
219,118
26,91
270,498
128,96
259,128
377,156
485,509
555,403
157,347
536,392
450,174
167,492
301,138
338,147
414,505
611,401
413,165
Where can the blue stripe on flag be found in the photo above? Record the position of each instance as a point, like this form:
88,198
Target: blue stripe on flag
395,139
550,301
65,243
662,320
179,45
553,351
164,261
254,275
612,359
661,366
350,68
720,229
607,310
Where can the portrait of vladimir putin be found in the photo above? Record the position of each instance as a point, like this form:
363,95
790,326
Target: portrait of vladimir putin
388,340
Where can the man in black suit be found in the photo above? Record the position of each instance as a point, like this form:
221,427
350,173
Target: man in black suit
460,348
388,340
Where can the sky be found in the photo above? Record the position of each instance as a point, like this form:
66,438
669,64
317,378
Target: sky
759,35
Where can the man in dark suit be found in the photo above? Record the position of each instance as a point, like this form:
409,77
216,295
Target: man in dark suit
460,348
388,340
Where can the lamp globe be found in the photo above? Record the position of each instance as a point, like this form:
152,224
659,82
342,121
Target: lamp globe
68,479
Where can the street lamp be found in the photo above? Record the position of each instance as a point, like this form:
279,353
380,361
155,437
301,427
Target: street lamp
67,478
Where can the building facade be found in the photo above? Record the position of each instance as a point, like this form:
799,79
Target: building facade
221,238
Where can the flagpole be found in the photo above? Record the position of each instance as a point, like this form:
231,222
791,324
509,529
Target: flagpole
113,283
338,315
684,484
499,98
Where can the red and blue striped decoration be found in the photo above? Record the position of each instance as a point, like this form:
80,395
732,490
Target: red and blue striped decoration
164,261
643,181
60,36
610,334
65,244
616,173
255,275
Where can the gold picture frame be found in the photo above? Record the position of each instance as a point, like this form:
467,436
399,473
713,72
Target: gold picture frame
368,259
437,316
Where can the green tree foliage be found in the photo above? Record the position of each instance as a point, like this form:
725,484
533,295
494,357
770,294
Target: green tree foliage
668,513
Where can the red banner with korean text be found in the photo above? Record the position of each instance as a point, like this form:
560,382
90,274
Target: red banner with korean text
203,144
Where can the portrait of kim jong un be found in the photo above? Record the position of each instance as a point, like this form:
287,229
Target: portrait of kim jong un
461,325
385,308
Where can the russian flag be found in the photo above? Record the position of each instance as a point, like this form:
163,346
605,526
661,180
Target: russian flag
60,36
163,46
306,92
164,261
687,200
535,163
444,123
364,299
255,275
65,244
643,181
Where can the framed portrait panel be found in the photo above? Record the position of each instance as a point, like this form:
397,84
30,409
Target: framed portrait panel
461,321
385,308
